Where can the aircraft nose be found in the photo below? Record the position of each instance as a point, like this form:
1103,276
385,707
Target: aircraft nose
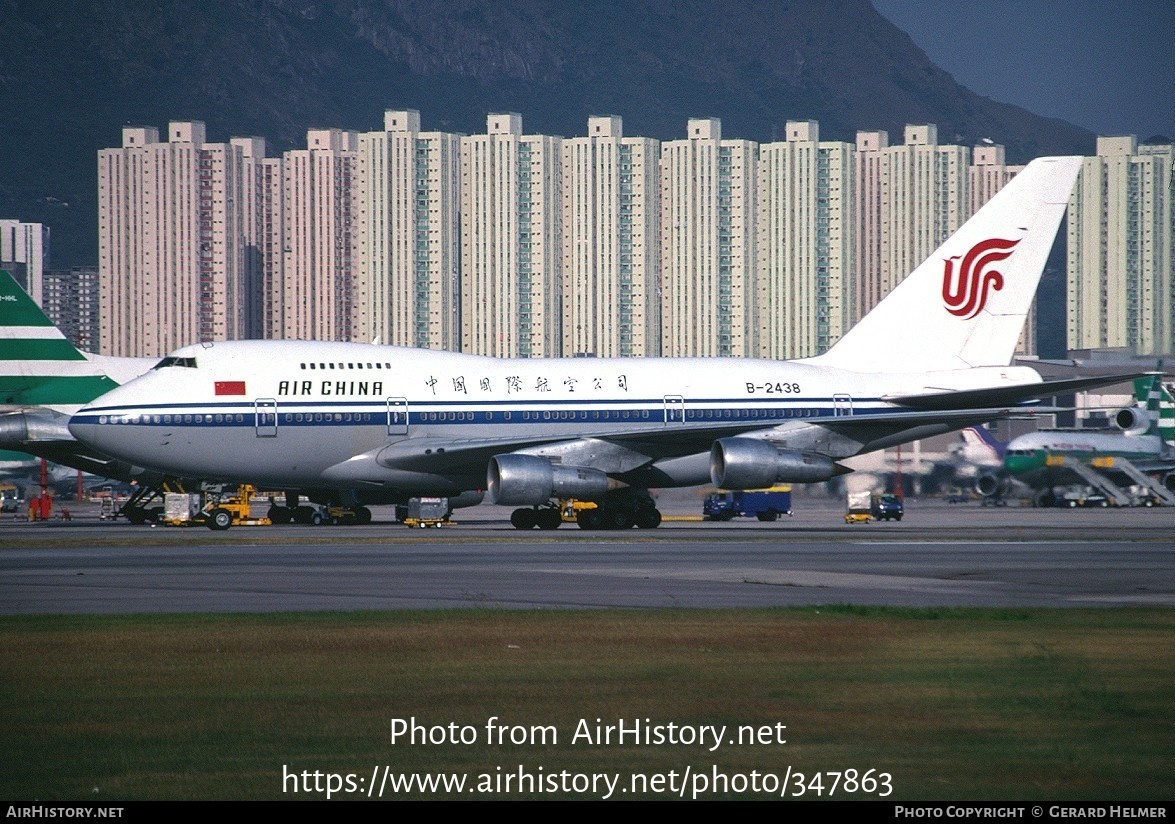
95,424
83,425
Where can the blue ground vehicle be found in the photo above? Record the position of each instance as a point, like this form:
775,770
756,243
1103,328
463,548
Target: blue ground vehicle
764,504
887,506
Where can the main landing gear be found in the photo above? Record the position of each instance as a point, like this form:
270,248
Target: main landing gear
547,517
618,511
146,504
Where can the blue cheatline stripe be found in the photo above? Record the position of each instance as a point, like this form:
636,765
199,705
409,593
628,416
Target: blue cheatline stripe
373,414
292,403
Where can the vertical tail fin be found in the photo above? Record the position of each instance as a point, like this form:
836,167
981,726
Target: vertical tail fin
965,306
26,333
981,443
1160,406
1166,414
38,365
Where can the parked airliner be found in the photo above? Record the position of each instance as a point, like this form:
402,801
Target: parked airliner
1043,463
381,424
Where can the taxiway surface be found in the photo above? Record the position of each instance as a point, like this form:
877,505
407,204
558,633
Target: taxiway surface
938,556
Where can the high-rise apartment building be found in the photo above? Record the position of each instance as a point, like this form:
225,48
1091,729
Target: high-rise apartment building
708,209
510,237
611,243
24,254
221,206
805,243
987,175
1120,265
270,207
407,288
70,301
315,290
169,241
912,198
869,170
260,250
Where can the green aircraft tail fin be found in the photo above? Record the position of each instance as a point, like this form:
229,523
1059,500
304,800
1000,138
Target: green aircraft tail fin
1166,413
1160,406
38,365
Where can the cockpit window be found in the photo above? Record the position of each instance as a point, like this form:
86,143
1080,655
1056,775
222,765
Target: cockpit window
188,363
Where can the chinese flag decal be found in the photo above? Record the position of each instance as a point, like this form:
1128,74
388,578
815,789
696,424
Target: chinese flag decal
230,387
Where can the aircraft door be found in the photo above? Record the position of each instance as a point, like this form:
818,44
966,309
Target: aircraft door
674,409
842,405
397,416
265,417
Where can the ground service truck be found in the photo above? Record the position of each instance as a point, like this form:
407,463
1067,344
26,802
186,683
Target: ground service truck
764,504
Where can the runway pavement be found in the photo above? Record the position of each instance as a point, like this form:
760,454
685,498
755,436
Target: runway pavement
939,555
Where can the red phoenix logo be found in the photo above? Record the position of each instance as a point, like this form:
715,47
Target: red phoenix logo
965,294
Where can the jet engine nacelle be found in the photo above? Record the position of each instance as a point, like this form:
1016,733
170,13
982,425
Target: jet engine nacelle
993,486
1132,420
748,463
19,428
528,480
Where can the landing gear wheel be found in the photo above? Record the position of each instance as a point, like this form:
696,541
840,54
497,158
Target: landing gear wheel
648,518
524,518
618,518
590,519
548,518
279,514
362,515
220,520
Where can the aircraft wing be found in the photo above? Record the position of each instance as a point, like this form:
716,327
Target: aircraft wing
1007,395
458,455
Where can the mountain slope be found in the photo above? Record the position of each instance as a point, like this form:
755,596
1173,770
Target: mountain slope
69,82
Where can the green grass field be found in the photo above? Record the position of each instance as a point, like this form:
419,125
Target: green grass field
952,704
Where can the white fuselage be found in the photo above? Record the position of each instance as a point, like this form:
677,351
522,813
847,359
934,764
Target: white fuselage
299,414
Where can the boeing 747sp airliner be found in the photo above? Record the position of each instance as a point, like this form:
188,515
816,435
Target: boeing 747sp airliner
367,423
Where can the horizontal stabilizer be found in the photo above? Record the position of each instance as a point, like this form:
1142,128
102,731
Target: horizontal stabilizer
1006,395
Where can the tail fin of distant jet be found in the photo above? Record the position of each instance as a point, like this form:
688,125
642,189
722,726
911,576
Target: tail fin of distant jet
1166,414
1160,406
965,306
38,365
981,446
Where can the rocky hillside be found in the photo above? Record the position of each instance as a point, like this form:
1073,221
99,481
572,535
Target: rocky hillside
71,75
